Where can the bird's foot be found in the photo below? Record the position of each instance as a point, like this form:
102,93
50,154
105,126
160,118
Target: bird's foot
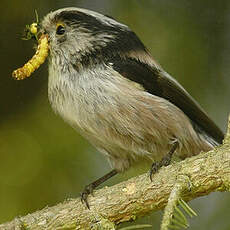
89,188
86,192
166,160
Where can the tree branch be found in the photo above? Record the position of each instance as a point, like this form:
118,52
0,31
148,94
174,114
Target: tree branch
207,172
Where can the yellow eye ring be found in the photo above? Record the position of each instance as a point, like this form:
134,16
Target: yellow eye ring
60,28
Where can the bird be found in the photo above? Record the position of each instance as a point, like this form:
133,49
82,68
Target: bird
104,82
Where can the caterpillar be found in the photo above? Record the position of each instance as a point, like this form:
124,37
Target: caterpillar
35,62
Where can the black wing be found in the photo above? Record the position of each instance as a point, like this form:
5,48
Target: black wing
160,83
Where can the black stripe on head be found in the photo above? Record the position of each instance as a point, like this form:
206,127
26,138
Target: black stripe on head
87,21
123,43
114,51
123,39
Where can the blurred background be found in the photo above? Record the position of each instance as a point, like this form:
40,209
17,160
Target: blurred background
43,161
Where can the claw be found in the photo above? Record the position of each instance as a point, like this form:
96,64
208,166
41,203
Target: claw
164,162
88,190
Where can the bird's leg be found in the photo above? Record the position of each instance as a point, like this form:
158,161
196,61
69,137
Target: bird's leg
165,160
90,187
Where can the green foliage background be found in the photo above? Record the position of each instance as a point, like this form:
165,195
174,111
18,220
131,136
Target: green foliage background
43,161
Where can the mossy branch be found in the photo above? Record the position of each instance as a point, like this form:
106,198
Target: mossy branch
206,173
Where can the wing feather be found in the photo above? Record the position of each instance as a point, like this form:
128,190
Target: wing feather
158,82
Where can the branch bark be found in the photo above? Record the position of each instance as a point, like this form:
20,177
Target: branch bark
207,172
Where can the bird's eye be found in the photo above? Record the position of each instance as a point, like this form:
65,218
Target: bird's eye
60,29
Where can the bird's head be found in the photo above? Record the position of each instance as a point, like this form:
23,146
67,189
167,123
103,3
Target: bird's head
83,37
